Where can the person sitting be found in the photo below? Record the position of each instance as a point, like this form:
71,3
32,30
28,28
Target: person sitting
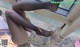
18,23
30,5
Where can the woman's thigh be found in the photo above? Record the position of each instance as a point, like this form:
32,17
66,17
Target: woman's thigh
19,35
29,5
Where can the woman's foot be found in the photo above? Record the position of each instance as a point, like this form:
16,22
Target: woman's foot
54,6
45,33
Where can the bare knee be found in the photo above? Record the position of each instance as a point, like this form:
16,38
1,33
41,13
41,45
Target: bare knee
16,6
8,11
7,14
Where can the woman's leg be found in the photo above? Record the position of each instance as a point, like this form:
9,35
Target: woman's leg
21,21
19,36
30,5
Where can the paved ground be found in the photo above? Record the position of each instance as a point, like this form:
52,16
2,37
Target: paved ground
53,41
